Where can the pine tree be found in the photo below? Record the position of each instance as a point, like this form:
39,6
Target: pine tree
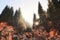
54,12
18,21
41,13
57,7
34,19
51,9
16,17
7,14
57,13
40,10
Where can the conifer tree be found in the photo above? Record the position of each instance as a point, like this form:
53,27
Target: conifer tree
34,19
51,9
18,21
40,13
40,10
7,14
54,11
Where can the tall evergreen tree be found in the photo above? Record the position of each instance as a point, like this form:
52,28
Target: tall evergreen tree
40,13
16,17
7,14
34,19
57,13
57,7
18,21
40,10
54,11
51,9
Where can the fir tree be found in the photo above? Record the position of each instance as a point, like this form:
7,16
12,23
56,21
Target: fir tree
54,11
41,13
7,14
40,10
34,19
51,9
18,21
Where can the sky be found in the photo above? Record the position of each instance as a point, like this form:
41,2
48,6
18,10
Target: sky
27,7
